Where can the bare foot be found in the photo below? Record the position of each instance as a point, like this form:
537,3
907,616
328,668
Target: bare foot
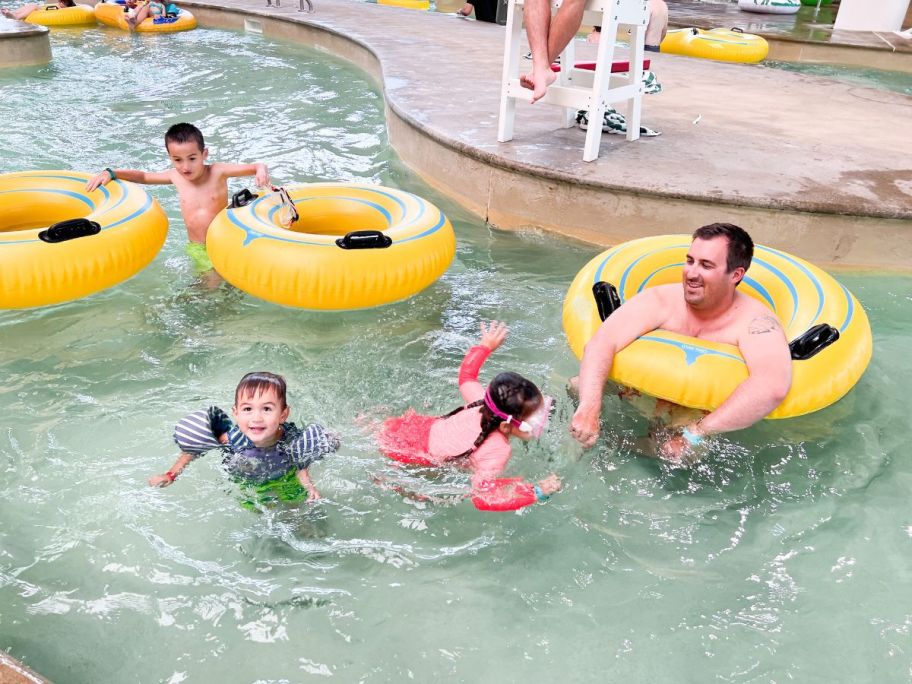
6,13
538,81
466,9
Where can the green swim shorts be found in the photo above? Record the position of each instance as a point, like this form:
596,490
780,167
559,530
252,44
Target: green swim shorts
286,489
199,258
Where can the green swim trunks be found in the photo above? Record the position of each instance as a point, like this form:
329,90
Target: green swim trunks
286,489
199,258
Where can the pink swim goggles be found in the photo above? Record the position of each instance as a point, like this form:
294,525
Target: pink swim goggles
533,425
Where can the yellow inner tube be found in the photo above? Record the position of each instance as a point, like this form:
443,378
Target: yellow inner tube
305,266
700,374
36,273
51,15
112,14
407,4
719,44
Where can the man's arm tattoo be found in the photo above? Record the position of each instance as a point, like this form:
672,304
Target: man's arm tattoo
763,324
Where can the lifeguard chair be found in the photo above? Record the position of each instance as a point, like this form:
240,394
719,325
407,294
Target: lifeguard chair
576,88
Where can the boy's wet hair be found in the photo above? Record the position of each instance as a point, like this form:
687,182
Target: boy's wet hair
740,245
183,133
253,384
67,3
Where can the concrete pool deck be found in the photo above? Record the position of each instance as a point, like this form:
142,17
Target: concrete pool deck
813,166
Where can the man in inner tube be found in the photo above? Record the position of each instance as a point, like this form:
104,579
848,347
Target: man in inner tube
706,306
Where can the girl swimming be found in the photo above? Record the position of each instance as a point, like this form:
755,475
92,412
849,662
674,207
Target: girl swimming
477,435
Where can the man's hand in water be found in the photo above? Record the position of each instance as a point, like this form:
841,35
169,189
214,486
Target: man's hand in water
677,449
673,449
585,427
493,334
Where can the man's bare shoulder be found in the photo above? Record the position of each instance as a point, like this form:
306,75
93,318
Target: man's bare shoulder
666,294
757,322
754,311
658,297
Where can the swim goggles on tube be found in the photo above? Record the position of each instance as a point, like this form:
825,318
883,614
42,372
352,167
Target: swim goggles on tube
288,212
534,425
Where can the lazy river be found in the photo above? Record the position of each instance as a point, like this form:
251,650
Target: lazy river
782,556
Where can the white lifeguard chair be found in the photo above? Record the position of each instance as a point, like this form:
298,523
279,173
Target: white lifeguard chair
577,89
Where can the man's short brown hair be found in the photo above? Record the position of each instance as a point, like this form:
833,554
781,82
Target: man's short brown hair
740,245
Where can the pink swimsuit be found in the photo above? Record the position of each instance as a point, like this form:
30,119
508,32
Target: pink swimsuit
431,441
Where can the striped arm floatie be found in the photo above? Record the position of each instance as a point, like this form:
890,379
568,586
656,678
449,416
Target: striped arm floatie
313,443
197,432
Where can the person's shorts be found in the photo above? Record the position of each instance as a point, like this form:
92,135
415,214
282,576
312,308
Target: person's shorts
199,258
286,489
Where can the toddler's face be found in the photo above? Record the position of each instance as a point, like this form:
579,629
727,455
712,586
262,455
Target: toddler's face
260,416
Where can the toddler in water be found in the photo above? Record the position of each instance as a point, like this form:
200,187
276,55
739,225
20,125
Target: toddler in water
477,436
262,449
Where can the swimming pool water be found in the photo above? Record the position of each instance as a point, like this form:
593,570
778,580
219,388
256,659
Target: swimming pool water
783,556
896,81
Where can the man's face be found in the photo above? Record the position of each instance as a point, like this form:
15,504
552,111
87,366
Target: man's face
706,280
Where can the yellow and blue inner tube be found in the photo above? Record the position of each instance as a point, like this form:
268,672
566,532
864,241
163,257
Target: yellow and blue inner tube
830,337
59,242
720,44
407,4
112,14
52,15
331,245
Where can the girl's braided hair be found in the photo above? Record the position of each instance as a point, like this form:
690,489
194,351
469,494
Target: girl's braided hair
512,394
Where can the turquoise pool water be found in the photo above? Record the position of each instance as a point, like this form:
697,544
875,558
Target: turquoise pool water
896,81
782,557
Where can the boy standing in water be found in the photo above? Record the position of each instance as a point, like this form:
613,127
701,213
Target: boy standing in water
201,187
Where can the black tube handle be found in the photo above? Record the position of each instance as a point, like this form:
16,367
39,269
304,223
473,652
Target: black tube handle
812,341
242,198
69,230
606,298
365,239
